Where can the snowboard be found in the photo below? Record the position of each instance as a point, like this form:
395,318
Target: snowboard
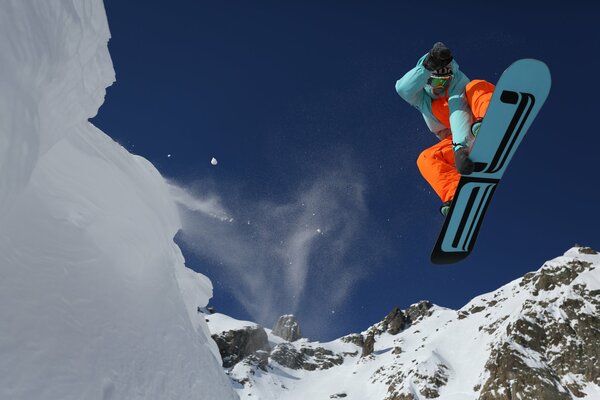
517,98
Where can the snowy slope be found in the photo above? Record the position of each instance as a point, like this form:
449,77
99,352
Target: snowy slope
95,300
535,338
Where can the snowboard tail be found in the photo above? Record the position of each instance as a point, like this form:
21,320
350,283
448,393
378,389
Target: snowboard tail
518,97
463,221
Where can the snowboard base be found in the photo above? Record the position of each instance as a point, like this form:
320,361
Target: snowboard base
517,99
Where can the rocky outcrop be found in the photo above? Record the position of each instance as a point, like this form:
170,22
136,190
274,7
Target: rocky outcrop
418,311
424,379
355,338
286,355
320,358
511,377
551,277
251,345
552,341
394,322
237,345
369,345
586,250
307,358
287,328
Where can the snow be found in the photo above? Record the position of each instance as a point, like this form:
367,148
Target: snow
592,391
219,323
95,299
444,344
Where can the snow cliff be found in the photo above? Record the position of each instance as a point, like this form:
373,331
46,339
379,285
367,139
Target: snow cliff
95,300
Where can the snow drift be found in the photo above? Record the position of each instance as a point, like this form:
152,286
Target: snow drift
95,300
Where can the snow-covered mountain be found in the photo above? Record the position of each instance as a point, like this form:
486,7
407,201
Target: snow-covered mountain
535,338
95,300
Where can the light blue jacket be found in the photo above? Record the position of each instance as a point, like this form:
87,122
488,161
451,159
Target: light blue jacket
413,88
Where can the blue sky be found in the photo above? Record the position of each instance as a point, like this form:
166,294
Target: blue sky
316,206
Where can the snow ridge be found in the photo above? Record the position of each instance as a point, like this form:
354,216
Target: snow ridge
534,338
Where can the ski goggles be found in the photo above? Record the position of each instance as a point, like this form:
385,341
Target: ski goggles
439,81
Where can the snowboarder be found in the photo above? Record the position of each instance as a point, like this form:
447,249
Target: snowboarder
453,108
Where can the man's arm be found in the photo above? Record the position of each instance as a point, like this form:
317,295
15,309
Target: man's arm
460,112
410,86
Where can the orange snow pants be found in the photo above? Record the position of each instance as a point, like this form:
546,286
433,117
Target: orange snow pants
437,163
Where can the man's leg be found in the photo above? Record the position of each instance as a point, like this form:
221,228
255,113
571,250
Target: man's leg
438,168
479,94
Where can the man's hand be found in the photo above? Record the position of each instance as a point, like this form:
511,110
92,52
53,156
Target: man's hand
464,165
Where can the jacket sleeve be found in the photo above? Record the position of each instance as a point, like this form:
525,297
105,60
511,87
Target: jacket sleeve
460,112
410,86
436,127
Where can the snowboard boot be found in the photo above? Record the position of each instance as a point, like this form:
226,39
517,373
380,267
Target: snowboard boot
445,208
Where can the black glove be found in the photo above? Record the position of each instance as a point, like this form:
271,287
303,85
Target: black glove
464,165
439,56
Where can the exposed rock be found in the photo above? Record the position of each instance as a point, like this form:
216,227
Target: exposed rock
491,328
285,354
586,250
400,396
354,338
553,339
369,345
511,377
578,336
462,314
394,322
319,358
259,358
307,358
426,381
287,328
418,311
551,277
431,384
236,345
